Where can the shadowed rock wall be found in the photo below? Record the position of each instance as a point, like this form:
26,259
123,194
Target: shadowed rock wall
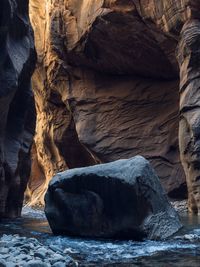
189,130
16,106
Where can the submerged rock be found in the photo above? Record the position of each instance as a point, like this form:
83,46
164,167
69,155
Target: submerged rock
122,199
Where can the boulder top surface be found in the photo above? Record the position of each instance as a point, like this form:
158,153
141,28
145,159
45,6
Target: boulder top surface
123,169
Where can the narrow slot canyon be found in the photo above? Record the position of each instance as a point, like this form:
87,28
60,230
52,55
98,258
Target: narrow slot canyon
87,82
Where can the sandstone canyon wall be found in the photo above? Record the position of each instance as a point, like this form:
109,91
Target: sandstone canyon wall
106,87
114,78
16,108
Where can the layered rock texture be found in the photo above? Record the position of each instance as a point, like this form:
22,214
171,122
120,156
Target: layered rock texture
121,199
107,87
16,108
189,130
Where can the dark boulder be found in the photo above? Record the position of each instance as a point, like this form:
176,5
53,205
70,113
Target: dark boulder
122,199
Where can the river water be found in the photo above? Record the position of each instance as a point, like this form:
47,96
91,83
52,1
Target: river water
182,250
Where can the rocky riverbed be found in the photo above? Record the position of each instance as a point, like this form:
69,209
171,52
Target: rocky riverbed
28,242
17,251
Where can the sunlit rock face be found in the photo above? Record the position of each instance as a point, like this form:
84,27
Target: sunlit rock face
107,86
16,106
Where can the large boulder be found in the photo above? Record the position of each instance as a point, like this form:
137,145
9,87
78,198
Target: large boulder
121,199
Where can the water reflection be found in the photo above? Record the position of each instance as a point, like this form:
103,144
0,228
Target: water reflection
190,219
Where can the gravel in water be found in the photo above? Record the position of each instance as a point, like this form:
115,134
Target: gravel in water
16,251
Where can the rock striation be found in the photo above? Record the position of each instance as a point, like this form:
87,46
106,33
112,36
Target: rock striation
189,130
121,199
106,87
16,105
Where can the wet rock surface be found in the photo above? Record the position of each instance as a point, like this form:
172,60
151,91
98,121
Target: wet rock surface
123,199
17,251
180,206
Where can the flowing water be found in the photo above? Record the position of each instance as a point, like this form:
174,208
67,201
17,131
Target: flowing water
182,250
